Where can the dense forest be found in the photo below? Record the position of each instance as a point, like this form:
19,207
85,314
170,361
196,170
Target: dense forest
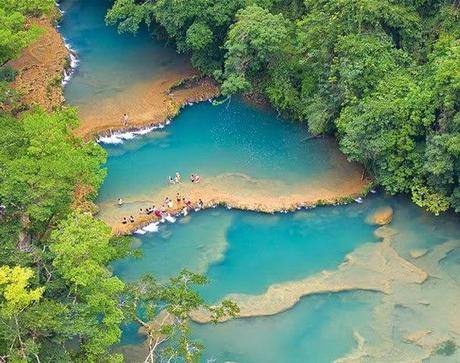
383,76
59,301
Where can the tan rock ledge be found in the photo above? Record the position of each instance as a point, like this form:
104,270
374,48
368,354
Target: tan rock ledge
371,267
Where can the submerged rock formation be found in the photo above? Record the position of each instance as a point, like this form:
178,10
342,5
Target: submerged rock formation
149,103
381,216
417,312
372,267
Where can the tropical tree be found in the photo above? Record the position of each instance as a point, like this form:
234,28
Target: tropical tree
163,310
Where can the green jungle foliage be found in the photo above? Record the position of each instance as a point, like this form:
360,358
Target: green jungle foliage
383,76
15,33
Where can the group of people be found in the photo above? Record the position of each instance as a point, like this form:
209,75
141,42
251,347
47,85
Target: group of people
195,178
168,204
176,178
125,220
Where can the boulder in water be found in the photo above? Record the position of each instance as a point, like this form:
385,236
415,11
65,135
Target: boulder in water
381,216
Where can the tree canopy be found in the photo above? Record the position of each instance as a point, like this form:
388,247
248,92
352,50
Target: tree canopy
42,162
15,33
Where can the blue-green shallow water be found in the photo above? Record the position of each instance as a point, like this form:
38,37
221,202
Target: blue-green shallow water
109,62
239,251
212,140
318,329
247,252
265,249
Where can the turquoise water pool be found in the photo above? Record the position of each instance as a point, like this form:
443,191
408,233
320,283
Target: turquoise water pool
109,63
245,252
214,140
319,329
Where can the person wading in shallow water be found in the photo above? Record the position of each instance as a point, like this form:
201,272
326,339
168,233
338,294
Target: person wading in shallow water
125,119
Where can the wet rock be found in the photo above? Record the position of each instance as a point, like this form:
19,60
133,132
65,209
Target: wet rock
417,253
416,336
381,216
185,220
385,232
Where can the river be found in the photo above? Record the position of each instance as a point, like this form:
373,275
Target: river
390,294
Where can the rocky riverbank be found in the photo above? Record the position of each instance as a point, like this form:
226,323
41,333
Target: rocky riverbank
41,68
146,104
235,191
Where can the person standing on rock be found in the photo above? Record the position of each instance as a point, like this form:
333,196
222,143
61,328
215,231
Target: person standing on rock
125,119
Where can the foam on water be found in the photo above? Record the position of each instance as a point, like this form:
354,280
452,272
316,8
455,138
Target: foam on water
152,227
74,61
119,137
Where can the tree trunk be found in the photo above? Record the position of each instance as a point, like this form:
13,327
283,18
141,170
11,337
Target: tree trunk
24,239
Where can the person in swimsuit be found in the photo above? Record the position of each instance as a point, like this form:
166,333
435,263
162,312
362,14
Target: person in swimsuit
120,202
168,203
178,198
171,180
192,178
177,178
125,119
124,221
131,219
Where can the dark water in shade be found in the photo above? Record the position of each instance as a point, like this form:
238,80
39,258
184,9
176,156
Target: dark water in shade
245,252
